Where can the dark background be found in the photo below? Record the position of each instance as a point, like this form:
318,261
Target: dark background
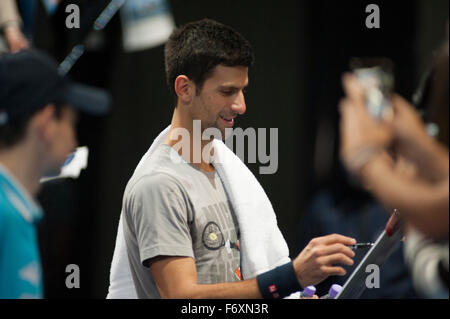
301,48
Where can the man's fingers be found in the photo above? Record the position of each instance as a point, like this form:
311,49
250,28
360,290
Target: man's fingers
335,239
338,248
333,271
337,259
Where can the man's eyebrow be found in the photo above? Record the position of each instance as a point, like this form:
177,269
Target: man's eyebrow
232,87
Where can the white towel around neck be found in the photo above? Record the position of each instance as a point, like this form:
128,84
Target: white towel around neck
262,245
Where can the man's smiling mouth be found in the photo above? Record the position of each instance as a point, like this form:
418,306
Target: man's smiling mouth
228,120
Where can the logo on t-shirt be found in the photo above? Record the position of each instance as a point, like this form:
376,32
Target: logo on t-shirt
212,236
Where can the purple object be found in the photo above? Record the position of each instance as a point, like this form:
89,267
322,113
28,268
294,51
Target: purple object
309,291
334,291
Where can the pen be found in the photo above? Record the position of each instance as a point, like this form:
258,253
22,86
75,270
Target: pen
361,246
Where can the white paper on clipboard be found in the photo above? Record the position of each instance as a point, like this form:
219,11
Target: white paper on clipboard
380,251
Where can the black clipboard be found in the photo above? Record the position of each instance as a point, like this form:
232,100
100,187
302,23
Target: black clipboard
384,246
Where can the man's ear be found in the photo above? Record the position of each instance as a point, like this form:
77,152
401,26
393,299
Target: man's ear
42,121
184,88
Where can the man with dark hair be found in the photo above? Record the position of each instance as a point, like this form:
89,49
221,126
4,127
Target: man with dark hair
181,227
37,133
188,53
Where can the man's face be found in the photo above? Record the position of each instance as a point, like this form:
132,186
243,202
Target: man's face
63,139
221,98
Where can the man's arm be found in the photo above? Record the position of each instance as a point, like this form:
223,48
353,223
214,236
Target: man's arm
176,277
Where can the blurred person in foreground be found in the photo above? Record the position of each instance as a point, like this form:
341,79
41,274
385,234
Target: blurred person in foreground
414,181
38,113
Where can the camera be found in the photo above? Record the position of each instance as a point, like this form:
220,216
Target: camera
377,80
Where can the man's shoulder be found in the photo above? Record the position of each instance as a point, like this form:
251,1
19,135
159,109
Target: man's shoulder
164,159
161,170
152,191
155,180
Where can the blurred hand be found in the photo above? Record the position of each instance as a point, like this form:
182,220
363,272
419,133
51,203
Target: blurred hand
358,128
405,168
407,124
317,261
15,39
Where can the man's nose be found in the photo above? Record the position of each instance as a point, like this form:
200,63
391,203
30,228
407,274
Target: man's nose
239,106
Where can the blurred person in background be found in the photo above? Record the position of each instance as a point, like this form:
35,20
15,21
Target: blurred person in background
345,208
37,132
415,181
10,26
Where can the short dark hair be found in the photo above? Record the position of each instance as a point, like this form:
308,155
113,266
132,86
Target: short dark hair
196,48
13,133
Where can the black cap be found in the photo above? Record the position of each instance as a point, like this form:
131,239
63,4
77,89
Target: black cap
30,79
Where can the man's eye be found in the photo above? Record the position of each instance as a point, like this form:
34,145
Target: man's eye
227,92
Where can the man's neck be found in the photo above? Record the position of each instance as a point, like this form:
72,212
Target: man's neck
24,168
196,150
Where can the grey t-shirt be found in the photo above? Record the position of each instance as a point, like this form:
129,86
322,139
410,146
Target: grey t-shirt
172,208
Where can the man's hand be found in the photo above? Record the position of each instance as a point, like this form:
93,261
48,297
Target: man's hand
15,39
317,261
